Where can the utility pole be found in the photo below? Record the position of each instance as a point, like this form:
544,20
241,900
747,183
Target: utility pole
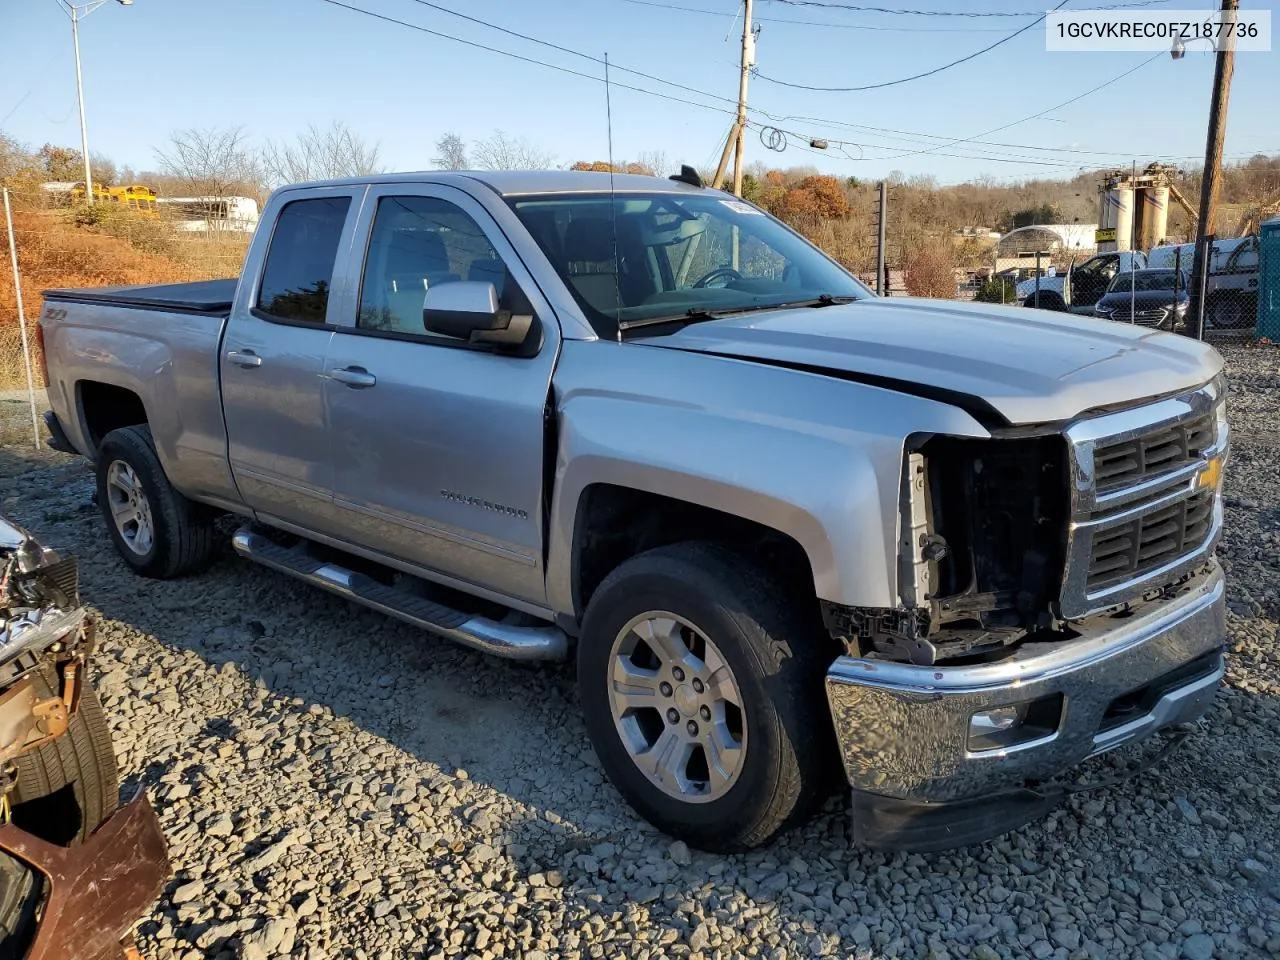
734,141
1212,177
84,130
882,287
77,12
748,61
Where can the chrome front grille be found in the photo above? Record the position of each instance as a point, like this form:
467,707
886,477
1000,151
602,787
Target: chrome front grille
1144,318
1149,541
1137,459
1143,512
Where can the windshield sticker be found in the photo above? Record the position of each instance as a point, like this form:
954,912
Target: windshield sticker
739,207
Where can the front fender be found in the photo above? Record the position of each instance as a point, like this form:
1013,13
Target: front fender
813,457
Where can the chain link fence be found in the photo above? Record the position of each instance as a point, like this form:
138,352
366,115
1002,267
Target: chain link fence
53,246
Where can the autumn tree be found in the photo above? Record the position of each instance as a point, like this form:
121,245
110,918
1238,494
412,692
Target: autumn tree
66,163
603,166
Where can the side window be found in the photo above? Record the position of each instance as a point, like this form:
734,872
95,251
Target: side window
299,267
417,243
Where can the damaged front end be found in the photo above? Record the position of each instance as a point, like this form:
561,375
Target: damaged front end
1058,598
76,901
983,536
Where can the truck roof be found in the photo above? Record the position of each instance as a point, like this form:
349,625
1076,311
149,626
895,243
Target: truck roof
513,183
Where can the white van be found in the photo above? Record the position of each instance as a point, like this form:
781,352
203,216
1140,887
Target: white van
1163,257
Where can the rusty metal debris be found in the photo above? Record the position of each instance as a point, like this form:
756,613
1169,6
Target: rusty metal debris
76,902
98,889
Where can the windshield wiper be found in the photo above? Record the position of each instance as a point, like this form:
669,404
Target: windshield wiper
822,300
702,314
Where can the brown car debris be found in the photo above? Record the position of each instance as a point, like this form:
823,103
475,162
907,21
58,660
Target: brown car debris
68,891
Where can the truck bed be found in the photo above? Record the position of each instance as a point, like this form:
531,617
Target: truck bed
208,297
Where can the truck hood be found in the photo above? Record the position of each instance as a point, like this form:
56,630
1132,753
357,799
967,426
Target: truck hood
1026,288
1027,366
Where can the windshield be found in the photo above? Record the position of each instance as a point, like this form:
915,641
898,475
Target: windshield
677,254
1146,281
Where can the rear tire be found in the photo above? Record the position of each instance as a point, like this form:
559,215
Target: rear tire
1231,312
155,529
781,745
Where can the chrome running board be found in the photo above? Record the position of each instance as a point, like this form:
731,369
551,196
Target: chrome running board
488,636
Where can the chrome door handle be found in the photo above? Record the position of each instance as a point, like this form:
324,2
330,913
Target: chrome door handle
355,377
244,358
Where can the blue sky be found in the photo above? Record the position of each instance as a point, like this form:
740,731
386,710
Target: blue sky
273,67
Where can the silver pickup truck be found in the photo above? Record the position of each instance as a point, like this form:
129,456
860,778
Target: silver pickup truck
788,529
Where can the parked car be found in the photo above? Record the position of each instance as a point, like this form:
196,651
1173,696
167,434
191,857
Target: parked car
1079,288
786,527
76,869
1149,298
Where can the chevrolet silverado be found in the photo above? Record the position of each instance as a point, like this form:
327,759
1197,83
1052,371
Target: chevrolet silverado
788,529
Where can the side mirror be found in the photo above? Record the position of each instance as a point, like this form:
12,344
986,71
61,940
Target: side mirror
468,310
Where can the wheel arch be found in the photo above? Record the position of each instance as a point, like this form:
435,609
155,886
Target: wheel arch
613,523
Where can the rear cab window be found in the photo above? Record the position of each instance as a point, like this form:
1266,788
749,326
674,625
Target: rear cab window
298,274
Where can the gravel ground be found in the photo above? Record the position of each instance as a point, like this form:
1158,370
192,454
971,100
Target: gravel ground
336,785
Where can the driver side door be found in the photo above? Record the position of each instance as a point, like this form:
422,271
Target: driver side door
437,443
1090,280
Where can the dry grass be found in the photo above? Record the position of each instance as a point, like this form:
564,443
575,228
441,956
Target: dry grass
54,251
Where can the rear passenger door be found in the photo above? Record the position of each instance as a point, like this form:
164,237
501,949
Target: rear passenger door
272,360
437,443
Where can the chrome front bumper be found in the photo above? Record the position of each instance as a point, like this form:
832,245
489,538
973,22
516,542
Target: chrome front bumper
903,729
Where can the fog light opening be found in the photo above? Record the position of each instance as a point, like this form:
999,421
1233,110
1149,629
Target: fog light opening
1015,724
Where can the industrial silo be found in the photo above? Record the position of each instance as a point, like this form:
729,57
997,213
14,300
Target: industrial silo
1115,217
1153,217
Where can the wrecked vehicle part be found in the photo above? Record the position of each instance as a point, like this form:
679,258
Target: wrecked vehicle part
981,553
97,889
75,872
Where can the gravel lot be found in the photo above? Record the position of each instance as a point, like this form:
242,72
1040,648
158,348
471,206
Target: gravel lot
336,785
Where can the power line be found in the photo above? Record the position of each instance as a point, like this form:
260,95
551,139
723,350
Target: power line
802,140
813,23
577,73
918,76
1036,116
706,106
568,50
566,70
531,60
895,11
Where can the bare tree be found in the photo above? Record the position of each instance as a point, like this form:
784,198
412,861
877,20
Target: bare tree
453,153
211,162
317,154
655,162
504,152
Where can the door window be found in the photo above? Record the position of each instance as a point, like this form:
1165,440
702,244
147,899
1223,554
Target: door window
299,269
418,243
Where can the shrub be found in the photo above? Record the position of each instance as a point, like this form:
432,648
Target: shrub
997,290
930,270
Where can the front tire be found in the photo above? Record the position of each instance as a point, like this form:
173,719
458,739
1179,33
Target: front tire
702,687
155,529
